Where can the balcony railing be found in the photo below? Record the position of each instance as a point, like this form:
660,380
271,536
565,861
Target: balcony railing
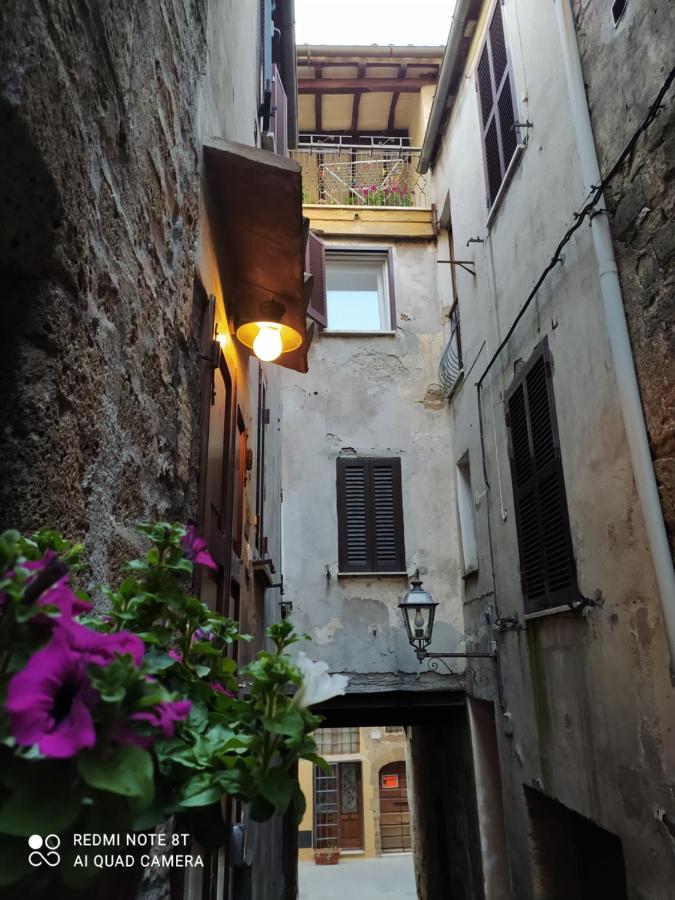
372,174
451,366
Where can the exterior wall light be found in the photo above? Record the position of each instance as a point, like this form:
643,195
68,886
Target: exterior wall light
268,337
419,608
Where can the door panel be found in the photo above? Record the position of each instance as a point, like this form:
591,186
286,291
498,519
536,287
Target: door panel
394,812
351,806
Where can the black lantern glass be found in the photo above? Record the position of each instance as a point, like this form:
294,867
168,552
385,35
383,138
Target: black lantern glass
418,608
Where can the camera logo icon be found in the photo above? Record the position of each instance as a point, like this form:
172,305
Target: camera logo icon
44,850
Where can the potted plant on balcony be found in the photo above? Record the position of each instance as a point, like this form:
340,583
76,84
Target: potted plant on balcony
117,722
328,855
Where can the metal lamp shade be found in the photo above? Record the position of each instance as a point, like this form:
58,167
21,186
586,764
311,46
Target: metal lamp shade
418,608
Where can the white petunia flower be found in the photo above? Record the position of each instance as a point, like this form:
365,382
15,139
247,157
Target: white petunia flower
317,685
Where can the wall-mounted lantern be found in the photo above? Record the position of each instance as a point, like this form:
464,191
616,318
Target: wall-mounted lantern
268,337
418,608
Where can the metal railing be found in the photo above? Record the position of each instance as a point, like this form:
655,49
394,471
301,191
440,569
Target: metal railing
381,172
451,366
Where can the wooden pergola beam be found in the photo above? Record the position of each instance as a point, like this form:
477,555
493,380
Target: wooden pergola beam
318,72
368,85
403,69
412,61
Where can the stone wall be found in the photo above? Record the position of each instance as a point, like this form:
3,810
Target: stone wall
637,55
98,216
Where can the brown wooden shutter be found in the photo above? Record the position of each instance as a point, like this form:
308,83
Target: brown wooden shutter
215,481
497,105
547,568
370,515
315,264
280,114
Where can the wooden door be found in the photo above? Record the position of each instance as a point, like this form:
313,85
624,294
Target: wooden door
394,812
351,806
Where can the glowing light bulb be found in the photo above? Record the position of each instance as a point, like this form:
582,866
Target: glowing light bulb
267,344
419,623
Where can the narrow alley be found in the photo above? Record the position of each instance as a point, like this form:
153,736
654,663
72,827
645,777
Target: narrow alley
336,474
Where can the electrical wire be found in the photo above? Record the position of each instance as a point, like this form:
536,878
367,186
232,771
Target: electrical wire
587,211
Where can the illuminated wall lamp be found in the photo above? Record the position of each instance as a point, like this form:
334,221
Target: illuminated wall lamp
268,337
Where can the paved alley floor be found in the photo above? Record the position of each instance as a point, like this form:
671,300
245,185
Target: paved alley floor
359,879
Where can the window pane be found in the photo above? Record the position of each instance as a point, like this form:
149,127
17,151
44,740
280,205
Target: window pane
353,289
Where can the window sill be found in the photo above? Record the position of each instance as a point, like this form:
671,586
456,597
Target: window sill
504,186
328,333
372,574
553,611
472,570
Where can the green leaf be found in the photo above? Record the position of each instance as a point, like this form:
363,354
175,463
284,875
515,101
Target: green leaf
291,724
13,860
317,760
277,787
201,790
41,804
127,771
298,803
199,717
261,810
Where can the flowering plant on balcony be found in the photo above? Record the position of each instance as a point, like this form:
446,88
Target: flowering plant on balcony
117,721
387,194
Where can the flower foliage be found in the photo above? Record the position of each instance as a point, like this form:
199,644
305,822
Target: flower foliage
125,719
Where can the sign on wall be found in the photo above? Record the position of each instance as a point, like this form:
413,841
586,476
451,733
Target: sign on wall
390,781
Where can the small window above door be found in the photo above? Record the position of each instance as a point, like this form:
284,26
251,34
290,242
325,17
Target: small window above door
359,292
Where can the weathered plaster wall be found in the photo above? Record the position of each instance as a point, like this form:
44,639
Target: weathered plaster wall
590,699
370,396
638,55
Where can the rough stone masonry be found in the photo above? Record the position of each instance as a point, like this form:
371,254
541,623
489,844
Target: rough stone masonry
99,192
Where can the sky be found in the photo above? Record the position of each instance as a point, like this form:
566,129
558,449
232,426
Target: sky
424,22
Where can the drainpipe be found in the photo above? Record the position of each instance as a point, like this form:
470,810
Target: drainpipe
289,69
629,394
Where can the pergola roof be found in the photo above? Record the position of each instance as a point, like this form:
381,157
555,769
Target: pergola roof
362,89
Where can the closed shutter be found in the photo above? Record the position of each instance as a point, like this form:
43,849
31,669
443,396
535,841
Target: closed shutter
280,114
547,568
215,481
497,106
370,515
315,264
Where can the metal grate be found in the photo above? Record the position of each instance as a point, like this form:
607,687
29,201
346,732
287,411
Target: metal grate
451,367
326,827
358,175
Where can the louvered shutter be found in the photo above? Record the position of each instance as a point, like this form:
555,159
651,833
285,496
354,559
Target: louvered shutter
280,114
315,264
370,515
547,568
497,105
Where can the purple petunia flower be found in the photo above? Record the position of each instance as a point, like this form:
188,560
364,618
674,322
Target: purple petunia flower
220,689
100,648
195,549
201,635
165,715
49,702
175,655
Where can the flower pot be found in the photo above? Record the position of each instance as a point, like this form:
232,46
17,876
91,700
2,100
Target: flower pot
327,857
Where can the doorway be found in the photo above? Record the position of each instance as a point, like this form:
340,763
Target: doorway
338,806
394,811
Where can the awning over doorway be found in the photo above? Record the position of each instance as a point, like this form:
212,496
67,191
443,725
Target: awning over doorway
254,204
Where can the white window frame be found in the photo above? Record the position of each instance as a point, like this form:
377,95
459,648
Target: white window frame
354,258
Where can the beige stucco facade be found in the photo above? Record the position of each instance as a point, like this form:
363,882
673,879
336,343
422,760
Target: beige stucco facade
379,746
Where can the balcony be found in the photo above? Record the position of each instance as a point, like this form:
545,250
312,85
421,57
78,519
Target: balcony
377,172
451,366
